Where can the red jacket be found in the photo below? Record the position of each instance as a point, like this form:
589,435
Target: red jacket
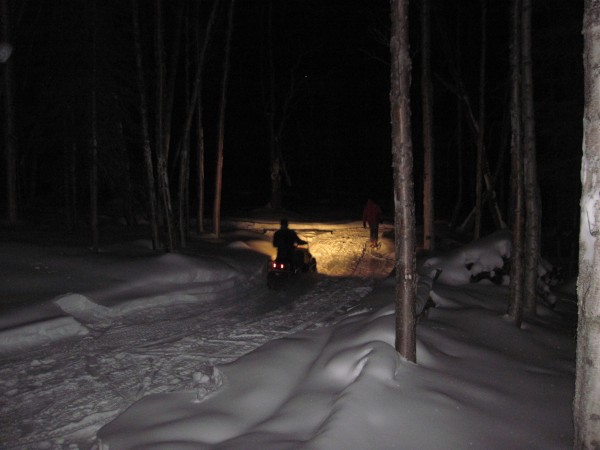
372,213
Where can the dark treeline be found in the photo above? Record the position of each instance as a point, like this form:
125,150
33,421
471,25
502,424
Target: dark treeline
308,88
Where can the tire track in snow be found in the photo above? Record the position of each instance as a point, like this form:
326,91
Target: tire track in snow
60,394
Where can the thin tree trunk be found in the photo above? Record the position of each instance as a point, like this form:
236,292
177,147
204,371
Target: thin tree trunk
149,166
402,155
10,138
532,195
94,143
184,165
183,188
586,406
128,209
221,138
275,166
515,309
459,129
196,104
481,134
71,185
487,177
173,63
161,157
200,50
428,143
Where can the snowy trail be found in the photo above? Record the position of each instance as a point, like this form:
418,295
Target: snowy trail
59,395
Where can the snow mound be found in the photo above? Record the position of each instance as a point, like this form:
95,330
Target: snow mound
39,333
82,308
487,254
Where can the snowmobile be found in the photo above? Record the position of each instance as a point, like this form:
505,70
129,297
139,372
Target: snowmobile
280,271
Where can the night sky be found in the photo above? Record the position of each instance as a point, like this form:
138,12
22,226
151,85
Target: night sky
336,142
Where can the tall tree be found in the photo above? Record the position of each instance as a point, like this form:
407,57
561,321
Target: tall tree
171,78
481,134
161,150
221,138
94,137
402,162
200,59
515,309
278,96
143,106
586,406
532,194
428,146
459,126
195,105
10,137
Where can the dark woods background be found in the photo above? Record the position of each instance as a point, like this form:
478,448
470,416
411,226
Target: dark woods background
326,64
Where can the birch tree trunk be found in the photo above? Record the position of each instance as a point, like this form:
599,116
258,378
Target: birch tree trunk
532,195
221,138
428,146
10,146
149,165
586,406
515,309
402,162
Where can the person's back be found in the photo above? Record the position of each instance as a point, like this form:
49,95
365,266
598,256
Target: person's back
285,240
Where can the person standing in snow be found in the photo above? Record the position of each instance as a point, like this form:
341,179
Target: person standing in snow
286,240
372,216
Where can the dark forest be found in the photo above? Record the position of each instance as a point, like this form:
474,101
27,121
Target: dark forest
310,78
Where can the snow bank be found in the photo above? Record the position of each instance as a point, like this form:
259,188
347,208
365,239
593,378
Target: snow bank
484,255
479,383
39,333
136,283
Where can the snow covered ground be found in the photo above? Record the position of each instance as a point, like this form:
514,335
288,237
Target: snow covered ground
131,349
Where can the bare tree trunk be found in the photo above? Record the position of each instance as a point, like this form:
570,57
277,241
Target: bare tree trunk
487,176
128,208
402,154
532,195
219,167
586,406
274,114
428,143
459,129
184,163
173,63
71,184
196,104
149,166
201,172
275,163
10,138
515,309
94,142
481,134
161,156
183,189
